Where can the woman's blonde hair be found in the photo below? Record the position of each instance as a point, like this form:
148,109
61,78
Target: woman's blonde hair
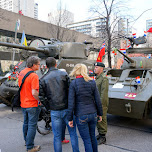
80,69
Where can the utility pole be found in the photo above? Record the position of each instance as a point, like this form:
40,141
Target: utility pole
17,26
127,32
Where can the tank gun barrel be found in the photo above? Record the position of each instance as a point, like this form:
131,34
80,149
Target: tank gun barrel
42,50
133,63
130,60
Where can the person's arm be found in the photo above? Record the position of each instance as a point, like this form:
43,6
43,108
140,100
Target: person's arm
68,80
35,94
42,90
71,102
104,91
43,95
35,86
97,101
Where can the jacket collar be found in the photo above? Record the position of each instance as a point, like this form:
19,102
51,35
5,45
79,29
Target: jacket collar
79,76
101,74
52,69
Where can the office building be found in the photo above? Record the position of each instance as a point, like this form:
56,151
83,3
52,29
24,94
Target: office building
24,7
148,24
94,27
36,10
60,17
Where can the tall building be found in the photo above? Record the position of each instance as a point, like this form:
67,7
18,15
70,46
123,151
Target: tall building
60,17
119,25
36,10
94,27
6,4
25,7
148,24
97,27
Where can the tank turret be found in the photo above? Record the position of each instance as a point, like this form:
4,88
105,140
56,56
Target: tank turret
135,62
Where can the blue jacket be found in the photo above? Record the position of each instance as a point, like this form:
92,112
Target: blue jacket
83,98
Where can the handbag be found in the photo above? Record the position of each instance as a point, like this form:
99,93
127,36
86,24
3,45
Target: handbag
16,98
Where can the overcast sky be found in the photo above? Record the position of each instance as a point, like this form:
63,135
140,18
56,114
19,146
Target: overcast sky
80,8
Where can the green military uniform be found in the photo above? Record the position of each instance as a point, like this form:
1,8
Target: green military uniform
103,86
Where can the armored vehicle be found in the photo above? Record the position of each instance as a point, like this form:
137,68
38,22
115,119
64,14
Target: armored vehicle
130,87
67,54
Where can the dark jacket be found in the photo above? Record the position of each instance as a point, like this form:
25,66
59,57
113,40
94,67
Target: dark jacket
54,86
84,98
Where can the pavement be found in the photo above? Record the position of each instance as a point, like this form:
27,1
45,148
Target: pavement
124,134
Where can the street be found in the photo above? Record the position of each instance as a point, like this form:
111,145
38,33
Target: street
124,134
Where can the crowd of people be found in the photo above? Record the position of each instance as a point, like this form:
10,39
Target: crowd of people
81,103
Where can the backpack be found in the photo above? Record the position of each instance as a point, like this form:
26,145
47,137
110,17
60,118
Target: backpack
16,98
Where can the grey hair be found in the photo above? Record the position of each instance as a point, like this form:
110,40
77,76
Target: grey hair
32,60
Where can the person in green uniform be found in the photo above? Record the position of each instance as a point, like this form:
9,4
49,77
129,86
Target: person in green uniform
103,86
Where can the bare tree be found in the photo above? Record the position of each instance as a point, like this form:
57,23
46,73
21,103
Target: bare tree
61,18
112,12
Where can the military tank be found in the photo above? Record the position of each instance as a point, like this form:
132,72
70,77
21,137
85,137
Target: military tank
67,54
130,86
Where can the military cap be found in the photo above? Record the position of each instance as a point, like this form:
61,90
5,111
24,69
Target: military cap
99,64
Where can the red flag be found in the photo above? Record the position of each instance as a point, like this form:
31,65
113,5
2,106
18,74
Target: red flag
101,53
150,30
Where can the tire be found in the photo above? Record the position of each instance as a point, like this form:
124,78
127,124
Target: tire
43,130
43,125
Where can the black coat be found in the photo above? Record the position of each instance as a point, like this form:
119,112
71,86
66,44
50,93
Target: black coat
54,86
84,98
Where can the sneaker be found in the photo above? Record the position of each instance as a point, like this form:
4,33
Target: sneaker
65,141
35,149
101,140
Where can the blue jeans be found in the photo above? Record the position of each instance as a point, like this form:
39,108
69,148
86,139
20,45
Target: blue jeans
86,125
31,116
58,118
63,130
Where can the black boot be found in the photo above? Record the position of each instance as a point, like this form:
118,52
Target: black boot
102,139
98,136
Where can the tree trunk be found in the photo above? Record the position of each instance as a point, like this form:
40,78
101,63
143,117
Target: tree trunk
109,41
109,52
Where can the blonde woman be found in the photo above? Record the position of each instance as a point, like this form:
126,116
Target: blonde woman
84,102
